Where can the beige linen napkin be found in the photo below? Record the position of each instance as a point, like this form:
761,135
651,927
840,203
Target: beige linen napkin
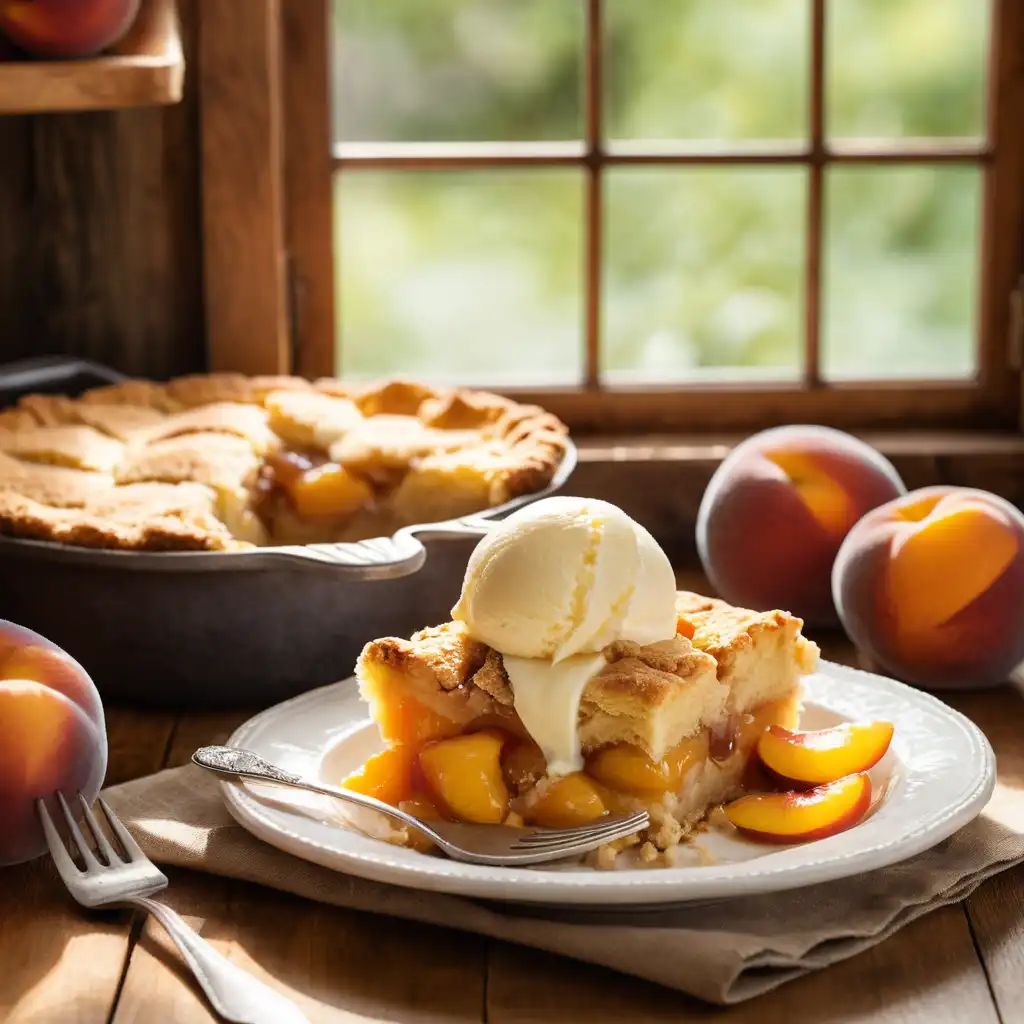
723,952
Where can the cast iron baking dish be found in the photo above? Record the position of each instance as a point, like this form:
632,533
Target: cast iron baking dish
234,628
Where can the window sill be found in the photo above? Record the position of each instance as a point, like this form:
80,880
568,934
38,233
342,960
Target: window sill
659,479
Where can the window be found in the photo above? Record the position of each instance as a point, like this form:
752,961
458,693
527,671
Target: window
664,214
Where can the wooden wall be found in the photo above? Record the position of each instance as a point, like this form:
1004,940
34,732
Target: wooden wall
100,251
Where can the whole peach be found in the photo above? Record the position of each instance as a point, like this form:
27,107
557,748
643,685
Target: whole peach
931,586
66,28
52,736
777,509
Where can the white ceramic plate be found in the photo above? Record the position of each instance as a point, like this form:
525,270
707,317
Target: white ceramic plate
938,774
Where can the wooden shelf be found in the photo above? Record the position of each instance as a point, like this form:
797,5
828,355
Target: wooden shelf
146,68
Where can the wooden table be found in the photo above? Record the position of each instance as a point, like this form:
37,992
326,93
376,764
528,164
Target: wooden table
962,964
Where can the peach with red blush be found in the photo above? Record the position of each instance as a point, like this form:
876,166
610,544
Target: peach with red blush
776,511
931,587
52,736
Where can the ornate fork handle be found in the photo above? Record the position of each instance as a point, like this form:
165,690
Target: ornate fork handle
244,764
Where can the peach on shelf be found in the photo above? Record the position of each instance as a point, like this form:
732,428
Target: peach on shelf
931,587
823,755
776,511
52,736
569,801
66,28
464,775
796,817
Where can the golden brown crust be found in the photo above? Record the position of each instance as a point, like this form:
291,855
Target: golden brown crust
429,453
47,410
248,422
208,388
57,486
17,419
141,393
118,419
310,419
727,633
214,459
76,446
151,517
394,398
446,659
394,442
463,410
125,422
651,696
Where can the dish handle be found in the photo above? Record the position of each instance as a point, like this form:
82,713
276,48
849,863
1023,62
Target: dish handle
403,553
49,374
381,558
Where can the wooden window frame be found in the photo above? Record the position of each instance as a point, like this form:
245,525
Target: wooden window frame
269,163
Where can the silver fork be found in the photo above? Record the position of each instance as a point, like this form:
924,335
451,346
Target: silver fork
497,845
107,878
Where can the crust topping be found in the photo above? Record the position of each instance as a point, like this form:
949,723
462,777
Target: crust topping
188,464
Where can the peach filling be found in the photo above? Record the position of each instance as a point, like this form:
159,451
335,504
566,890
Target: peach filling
314,487
483,771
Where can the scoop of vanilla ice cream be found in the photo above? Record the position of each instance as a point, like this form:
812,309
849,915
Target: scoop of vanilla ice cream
567,576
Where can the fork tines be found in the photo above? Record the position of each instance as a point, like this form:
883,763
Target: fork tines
605,831
96,855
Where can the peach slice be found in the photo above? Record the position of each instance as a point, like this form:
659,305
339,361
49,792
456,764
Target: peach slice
328,490
753,725
824,755
464,773
630,770
799,817
403,719
954,556
569,801
387,776
685,627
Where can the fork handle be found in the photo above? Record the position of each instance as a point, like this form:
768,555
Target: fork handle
234,994
244,764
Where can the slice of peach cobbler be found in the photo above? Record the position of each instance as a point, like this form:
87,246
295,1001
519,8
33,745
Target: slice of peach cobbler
622,702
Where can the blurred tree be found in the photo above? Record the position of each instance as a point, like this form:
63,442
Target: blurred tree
478,275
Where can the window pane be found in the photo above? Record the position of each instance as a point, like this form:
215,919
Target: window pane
470,70
901,268
704,270
707,69
906,68
461,276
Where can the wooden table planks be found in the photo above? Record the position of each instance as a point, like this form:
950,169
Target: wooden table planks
57,966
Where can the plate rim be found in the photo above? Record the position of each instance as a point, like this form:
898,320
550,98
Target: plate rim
589,886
